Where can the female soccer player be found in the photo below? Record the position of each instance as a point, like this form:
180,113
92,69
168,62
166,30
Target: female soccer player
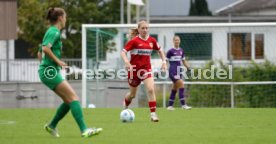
139,67
49,73
176,56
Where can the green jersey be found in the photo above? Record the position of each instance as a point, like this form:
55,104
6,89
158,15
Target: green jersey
51,40
49,71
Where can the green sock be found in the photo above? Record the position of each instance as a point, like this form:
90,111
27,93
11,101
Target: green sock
60,113
77,114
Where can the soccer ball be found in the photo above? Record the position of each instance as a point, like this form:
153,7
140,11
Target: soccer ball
127,115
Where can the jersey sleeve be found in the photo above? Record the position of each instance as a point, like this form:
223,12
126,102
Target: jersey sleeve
50,38
156,46
129,46
183,55
168,56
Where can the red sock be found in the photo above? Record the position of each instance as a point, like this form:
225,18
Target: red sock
127,102
152,106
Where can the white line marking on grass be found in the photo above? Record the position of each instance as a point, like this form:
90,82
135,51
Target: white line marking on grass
6,122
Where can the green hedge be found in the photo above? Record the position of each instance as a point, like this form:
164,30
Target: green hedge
245,95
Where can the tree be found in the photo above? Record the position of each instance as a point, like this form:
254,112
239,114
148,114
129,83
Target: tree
192,11
199,8
32,23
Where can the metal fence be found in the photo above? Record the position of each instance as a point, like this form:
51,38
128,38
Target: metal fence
26,70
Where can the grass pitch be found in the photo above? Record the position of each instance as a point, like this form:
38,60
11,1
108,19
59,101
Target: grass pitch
196,126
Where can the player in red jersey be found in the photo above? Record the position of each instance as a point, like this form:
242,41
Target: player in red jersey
139,67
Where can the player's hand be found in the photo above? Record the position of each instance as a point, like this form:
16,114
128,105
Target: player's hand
189,69
128,66
62,64
164,67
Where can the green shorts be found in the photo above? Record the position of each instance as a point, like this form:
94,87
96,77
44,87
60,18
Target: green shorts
50,76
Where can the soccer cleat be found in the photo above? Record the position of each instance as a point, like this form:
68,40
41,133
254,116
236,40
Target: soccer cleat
51,131
124,105
154,117
186,107
170,108
91,132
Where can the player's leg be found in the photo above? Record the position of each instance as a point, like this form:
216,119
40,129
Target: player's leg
149,84
181,93
174,89
69,96
62,110
129,96
172,97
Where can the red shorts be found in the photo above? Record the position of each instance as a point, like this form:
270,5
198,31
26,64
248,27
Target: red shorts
137,76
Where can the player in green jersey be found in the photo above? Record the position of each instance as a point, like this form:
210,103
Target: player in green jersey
49,73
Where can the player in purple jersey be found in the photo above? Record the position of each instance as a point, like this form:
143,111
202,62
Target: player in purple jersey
176,58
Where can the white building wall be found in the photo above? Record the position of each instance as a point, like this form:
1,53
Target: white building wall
270,46
220,45
262,12
3,49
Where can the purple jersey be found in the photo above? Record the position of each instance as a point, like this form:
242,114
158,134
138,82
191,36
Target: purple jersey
175,57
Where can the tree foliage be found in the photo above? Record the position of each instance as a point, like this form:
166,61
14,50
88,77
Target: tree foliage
199,8
32,23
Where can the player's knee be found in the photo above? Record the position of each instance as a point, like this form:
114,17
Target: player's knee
150,91
132,95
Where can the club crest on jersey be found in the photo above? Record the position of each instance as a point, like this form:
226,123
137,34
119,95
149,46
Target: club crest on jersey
151,45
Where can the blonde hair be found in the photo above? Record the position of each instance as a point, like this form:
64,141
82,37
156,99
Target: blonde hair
176,36
142,22
133,33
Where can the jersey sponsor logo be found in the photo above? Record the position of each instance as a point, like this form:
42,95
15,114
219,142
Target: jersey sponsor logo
140,45
146,52
175,58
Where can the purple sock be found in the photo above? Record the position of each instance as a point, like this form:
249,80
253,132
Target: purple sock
172,97
181,96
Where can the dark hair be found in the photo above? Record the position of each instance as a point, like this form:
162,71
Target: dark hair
53,14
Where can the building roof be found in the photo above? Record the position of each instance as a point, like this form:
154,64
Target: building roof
210,19
244,6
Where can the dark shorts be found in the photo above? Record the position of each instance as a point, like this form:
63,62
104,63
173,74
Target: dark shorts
175,77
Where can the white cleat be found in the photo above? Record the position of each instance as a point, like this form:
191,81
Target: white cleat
124,105
91,132
170,108
154,117
186,107
51,131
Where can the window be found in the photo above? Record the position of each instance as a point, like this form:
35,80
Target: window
259,46
241,46
154,53
196,46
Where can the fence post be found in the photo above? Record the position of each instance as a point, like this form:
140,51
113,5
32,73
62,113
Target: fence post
232,96
164,95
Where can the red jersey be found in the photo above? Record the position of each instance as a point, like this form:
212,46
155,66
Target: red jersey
140,50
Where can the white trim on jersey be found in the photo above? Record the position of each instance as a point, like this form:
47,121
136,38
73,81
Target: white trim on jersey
147,37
